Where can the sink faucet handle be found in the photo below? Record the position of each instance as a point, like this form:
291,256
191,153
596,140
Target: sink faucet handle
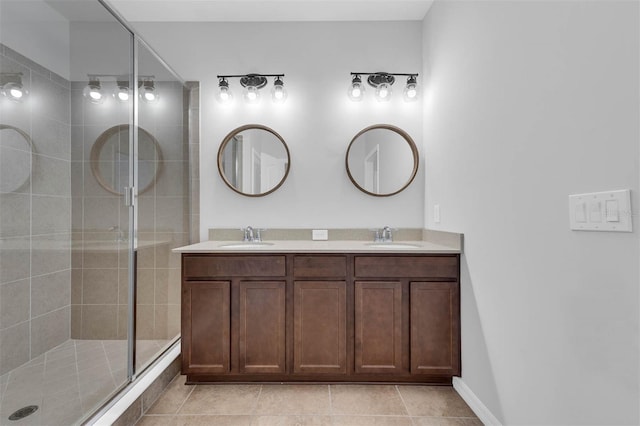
258,234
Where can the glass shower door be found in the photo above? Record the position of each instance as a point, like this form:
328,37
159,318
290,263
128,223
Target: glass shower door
162,170
64,225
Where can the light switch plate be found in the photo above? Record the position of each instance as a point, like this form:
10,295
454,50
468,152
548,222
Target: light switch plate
601,211
319,234
436,213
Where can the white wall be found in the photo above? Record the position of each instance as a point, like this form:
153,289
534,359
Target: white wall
318,120
526,103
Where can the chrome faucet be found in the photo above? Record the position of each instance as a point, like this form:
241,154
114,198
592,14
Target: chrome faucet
387,236
383,235
251,235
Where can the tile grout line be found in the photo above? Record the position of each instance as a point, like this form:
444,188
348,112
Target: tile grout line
186,398
330,404
255,407
403,403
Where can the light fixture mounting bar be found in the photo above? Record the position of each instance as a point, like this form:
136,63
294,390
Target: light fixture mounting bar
387,73
244,75
119,76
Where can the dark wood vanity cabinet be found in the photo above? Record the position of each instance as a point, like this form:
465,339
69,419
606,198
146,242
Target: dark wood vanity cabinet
320,317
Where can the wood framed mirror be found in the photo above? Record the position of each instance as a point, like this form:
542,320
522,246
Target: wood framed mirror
382,160
253,160
110,159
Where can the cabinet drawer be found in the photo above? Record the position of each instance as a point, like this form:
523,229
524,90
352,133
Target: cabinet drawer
237,266
320,266
406,266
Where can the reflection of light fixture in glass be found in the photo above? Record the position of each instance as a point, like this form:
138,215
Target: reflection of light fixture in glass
252,83
93,91
278,93
224,95
11,86
356,90
411,89
123,93
148,91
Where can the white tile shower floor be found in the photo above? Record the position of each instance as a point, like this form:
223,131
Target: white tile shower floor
69,381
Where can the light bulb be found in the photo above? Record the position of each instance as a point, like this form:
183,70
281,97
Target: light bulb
148,92
122,93
278,93
13,91
251,95
383,92
356,89
93,92
11,86
224,95
411,90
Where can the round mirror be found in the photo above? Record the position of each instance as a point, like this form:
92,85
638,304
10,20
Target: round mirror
382,160
253,160
110,159
15,160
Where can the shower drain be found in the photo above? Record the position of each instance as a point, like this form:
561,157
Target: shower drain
23,412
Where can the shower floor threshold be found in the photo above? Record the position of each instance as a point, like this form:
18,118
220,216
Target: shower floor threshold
69,381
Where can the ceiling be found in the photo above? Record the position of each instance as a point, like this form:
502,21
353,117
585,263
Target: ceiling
270,10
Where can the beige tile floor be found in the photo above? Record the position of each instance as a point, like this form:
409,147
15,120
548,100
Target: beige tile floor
69,381
308,405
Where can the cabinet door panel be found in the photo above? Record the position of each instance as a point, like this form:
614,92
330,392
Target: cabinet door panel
262,326
435,338
206,327
319,327
378,338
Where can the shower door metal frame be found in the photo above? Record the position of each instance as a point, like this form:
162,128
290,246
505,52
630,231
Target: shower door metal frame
131,194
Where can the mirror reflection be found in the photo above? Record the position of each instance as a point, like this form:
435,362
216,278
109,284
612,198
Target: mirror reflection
15,159
382,160
110,159
253,160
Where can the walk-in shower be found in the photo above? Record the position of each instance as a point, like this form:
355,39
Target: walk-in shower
94,194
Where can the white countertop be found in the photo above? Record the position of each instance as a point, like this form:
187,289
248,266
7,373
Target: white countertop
306,246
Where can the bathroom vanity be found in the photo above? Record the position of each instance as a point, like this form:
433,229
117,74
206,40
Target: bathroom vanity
320,312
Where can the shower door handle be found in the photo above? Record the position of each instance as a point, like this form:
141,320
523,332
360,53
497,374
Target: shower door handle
128,196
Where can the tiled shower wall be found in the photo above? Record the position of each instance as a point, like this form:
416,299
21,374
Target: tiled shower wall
35,218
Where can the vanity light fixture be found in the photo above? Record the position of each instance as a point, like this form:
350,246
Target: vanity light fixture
252,84
382,82
12,88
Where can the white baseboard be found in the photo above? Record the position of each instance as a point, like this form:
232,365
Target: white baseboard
481,410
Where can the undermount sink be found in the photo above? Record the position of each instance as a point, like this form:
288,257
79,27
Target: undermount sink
247,245
399,246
